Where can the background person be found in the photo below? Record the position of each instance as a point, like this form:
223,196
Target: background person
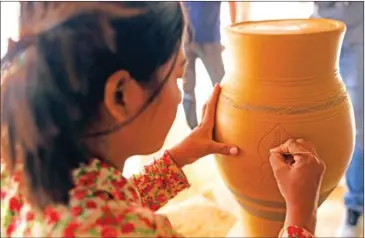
205,44
352,71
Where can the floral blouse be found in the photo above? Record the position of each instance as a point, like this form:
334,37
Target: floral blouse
102,204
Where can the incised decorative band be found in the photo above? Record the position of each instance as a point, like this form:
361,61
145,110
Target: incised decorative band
340,98
268,215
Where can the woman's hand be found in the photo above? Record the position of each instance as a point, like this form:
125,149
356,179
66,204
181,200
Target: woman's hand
200,142
298,172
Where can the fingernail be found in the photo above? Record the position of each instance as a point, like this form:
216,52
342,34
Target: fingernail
233,151
271,150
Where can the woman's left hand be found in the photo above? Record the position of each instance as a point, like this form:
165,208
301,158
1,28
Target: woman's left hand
200,142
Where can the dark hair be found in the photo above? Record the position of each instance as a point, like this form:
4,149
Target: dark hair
52,97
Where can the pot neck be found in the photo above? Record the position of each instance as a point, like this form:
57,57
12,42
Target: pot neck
285,56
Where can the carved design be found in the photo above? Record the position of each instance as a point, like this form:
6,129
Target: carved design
267,175
338,99
275,137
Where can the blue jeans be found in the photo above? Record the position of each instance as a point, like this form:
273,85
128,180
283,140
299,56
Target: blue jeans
352,71
211,55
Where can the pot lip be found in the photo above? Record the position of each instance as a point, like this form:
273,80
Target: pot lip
339,26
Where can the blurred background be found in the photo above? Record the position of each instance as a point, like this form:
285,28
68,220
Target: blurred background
207,208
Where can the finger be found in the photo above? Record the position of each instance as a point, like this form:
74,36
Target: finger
293,148
224,149
300,154
276,150
210,107
277,161
310,147
283,148
307,145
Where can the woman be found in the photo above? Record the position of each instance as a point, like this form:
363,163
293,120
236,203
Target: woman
90,84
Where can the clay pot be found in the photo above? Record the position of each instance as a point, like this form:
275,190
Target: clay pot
282,82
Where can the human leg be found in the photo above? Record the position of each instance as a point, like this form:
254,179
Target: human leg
213,62
189,101
352,62
352,71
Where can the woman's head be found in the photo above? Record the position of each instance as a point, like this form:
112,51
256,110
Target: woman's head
101,81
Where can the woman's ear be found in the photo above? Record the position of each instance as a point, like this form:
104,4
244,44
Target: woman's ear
123,95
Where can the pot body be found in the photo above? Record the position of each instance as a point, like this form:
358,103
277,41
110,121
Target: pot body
282,82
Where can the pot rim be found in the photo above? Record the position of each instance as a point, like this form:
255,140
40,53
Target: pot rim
337,26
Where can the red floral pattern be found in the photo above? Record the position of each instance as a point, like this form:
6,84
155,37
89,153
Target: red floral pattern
295,232
161,181
102,204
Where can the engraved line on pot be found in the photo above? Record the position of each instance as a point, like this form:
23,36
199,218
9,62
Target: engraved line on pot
266,173
274,216
272,204
268,215
281,80
279,136
265,203
288,111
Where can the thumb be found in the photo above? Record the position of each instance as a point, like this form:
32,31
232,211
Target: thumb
224,149
277,161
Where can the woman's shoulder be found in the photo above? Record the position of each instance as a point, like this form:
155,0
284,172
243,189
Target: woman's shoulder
99,217
93,217
102,203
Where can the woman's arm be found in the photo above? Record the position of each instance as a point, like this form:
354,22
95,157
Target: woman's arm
299,180
299,223
159,182
163,179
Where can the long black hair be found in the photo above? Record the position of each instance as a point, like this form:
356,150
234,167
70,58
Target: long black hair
54,83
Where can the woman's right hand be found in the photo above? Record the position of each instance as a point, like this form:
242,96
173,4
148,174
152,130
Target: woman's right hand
299,178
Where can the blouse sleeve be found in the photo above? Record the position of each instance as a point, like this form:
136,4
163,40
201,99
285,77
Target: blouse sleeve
159,182
294,232
114,219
